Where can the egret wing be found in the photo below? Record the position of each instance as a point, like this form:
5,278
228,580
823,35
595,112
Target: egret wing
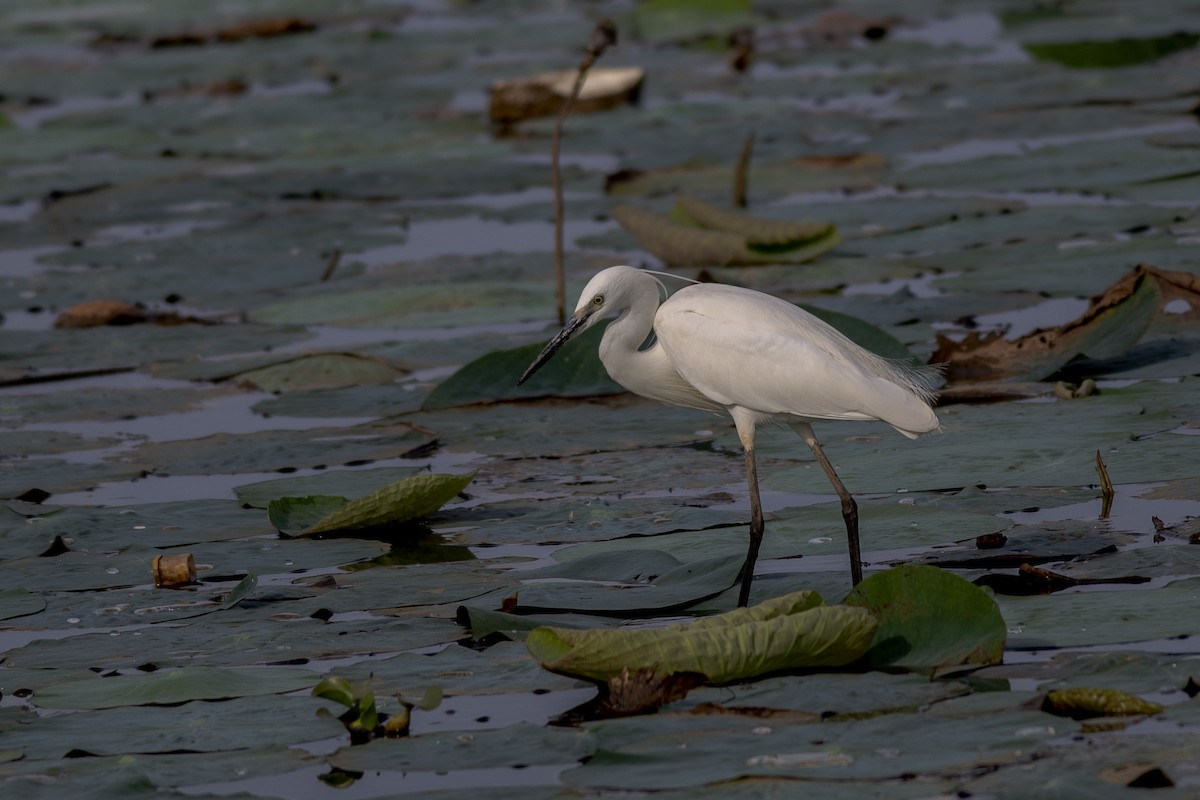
743,348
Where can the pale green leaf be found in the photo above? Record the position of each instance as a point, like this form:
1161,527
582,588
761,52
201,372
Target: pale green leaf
791,632
406,500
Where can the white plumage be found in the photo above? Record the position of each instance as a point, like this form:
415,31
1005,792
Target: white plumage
761,359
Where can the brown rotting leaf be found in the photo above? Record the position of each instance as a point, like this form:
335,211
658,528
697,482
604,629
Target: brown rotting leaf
1112,325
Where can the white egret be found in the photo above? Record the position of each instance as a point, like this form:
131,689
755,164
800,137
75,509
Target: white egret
760,358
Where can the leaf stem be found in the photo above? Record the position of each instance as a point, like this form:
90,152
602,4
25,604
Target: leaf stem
603,35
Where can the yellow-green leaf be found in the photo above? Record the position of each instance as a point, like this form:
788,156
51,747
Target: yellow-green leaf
406,500
792,632
1081,703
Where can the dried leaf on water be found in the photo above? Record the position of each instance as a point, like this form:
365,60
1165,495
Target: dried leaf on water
1113,324
544,94
1082,703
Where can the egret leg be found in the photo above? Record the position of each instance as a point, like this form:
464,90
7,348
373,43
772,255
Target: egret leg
849,507
745,427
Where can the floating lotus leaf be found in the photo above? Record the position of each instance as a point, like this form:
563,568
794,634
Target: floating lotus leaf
166,687
930,619
792,632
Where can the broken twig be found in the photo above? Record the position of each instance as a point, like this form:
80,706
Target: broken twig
1106,487
332,264
740,175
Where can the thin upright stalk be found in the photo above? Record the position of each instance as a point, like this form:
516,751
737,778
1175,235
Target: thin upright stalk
603,35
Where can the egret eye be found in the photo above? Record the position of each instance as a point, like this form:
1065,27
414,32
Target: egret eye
598,300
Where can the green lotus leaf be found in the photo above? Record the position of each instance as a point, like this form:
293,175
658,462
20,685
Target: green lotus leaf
930,619
167,687
575,371
795,631
405,500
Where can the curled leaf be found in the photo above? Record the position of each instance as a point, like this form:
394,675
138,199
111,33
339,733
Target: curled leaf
405,500
335,688
1112,325
698,233
795,631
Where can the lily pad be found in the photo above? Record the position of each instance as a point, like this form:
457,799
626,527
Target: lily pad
683,586
575,371
930,620
515,745
792,632
327,371
19,602
167,687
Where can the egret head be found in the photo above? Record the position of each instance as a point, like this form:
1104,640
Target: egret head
607,294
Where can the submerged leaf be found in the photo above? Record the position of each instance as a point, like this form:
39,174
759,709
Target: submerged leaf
792,632
930,619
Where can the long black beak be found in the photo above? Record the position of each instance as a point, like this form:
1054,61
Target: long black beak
574,325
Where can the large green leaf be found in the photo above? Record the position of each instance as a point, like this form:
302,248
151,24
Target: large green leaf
575,371
405,500
792,632
167,687
1112,52
930,619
